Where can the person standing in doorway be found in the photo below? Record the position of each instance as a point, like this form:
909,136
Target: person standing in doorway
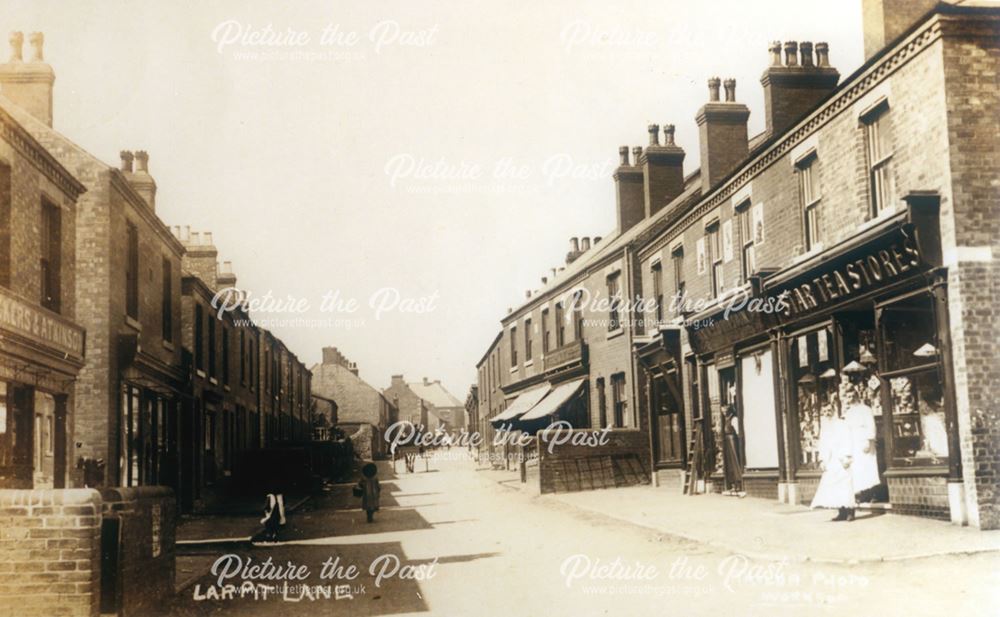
836,486
731,452
864,466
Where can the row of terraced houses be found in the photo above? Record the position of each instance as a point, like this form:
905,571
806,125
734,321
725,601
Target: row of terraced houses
852,245
115,368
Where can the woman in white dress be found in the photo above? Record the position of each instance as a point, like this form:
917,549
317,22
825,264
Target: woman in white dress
864,462
836,486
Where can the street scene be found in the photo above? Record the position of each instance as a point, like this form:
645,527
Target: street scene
421,307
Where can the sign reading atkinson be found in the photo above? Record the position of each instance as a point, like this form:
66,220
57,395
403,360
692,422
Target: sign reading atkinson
39,325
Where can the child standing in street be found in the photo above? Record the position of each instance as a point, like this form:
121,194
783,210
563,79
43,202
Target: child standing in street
369,490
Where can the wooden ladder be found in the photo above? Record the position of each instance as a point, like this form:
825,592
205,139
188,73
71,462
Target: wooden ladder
695,458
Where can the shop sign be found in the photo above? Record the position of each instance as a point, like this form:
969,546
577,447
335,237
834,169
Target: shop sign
893,257
43,327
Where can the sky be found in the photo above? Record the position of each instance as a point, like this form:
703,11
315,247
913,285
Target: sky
418,164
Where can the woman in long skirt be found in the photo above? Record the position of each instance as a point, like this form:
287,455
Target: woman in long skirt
731,452
836,486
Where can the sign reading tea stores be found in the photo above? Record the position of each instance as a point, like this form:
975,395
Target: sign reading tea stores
891,253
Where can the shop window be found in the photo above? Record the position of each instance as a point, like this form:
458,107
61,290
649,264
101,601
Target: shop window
51,256
912,373
614,301
809,191
815,381
878,146
657,274
130,440
132,271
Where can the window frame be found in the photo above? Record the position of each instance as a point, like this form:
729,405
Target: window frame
50,256
878,136
713,246
656,272
132,270
613,283
167,301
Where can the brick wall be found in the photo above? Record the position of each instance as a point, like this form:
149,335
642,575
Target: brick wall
623,461
921,496
971,58
50,553
147,559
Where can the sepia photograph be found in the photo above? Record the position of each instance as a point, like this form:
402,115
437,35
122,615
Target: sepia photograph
440,308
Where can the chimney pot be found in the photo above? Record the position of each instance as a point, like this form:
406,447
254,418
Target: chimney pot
775,50
545,280
636,155
142,160
585,244
791,55
574,245
37,42
668,134
713,89
206,238
527,293
806,54
16,43
554,273
623,155
654,134
822,55
597,239
194,237
730,86
126,157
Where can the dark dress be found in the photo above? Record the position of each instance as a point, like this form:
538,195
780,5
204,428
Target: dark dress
731,456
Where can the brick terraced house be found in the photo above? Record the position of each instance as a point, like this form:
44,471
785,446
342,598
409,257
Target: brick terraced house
851,247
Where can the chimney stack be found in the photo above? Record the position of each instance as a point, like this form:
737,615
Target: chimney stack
201,257
226,278
28,84
663,170
722,131
574,250
885,20
141,181
330,355
629,190
794,89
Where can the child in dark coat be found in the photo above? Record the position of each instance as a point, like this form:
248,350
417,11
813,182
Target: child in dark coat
369,490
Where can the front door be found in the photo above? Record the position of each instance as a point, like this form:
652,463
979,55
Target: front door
669,417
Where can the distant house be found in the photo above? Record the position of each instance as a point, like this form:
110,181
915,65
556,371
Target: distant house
363,413
430,401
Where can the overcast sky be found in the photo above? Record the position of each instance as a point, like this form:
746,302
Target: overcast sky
443,150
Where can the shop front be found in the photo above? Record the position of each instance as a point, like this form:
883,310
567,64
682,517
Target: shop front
862,328
41,354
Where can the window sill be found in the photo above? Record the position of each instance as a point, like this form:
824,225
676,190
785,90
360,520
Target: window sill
199,373
615,333
529,363
213,381
168,345
513,369
917,471
133,323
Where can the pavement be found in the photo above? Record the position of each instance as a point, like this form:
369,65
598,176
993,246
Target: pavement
455,541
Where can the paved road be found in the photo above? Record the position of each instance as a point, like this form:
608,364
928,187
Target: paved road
453,542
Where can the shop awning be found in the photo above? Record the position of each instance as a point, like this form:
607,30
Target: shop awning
556,399
521,404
